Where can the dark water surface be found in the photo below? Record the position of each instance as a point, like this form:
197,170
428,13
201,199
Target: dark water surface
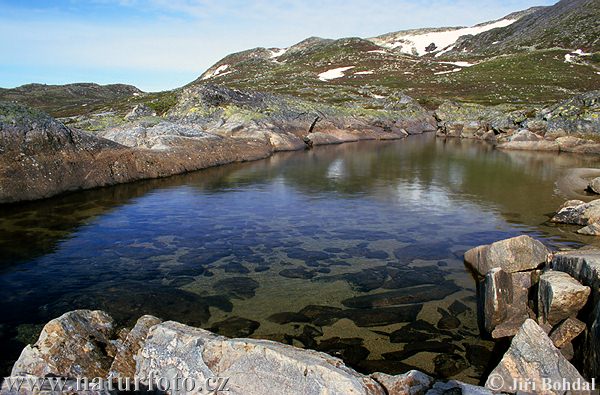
355,250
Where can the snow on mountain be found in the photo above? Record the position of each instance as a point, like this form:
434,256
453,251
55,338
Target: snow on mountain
424,41
334,73
218,71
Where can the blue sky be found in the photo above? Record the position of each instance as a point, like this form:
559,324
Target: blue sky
163,44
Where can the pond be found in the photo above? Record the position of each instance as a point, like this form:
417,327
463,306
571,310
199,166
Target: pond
355,250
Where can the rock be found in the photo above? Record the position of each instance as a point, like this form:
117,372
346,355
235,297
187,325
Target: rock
531,358
253,366
571,203
448,365
560,296
447,321
524,135
594,185
505,298
583,214
541,145
456,387
410,383
584,266
139,111
75,344
402,296
511,255
590,230
127,353
235,327
568,330
568,351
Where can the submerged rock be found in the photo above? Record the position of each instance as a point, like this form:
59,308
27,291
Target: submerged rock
532,358
235,327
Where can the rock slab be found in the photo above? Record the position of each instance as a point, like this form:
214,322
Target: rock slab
560,296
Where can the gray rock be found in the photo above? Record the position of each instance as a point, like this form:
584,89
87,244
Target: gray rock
253,366
412,382
457,387
560,296
583,214
594,185
590,230
584,266
127,352
139,111
75,344
568,330
511,255
531,358
505,302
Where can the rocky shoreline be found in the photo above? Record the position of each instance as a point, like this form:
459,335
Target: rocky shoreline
210,126
547,302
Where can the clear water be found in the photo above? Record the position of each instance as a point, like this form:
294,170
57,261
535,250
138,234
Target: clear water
355,250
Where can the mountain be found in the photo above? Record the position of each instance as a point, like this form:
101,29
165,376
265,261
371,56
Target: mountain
71,99
571,24
481,64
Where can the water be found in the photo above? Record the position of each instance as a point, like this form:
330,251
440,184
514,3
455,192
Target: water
355,250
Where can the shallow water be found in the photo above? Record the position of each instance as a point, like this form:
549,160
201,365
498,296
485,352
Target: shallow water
355,250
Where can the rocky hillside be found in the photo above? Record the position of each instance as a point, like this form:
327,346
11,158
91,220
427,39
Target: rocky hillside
570,24
490,63
71,99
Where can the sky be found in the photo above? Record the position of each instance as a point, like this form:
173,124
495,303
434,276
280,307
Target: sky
163,44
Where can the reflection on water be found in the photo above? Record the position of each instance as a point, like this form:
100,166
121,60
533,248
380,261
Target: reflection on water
355,250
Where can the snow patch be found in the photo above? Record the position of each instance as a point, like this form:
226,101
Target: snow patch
378,96
218,71
334,73
364,72
448,72
459,64
571,57
275,53
383,51
417,43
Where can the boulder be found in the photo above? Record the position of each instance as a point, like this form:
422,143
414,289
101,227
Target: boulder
594,185
505,304
582,214
590,230
568,330
412,382
560,296
75,344
139,111
127,352
584,266
252,366
511,255
456,387
530,359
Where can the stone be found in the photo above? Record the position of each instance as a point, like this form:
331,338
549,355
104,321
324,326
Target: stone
412,382
253,366
590,230
235,327
403,296
139,111
448,365
452,387
594,185
127,352
511,255
584,266
531,358
560,296
568,330
505,302
447,321
583,214
75,344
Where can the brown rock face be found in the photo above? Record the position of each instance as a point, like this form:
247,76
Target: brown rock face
505,302
568,330
77,343
127,352
560,296
531,359
511,255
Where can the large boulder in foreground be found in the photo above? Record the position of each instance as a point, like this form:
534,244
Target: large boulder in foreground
532,358
77,344
512,255
560,296
253,366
